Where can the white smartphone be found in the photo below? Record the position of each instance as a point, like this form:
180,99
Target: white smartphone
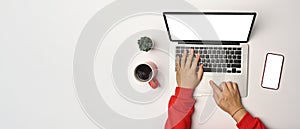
272,71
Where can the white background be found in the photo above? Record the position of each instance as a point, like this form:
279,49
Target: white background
38,39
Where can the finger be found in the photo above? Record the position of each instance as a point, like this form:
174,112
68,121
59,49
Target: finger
216,97
177,63
221,88
183,59
235,86
225,88
189,59
195,62
200,72
216,89
229,85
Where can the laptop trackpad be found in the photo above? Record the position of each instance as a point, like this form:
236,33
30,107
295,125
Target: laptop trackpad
204,87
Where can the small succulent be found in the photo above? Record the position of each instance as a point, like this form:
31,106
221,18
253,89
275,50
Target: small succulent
145,43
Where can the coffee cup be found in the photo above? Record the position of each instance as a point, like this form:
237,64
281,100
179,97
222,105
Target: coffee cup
146,72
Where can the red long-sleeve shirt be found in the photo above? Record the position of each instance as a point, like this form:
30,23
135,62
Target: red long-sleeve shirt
181,108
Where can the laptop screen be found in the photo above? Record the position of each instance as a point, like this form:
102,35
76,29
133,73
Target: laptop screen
209,26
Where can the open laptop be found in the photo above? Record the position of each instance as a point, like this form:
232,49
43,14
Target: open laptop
220,37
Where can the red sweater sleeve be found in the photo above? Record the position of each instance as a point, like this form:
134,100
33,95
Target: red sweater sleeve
248,122
180,109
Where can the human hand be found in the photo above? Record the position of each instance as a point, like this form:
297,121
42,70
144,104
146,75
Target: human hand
227,97
186,75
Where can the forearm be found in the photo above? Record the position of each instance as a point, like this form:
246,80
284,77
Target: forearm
181,108
249,122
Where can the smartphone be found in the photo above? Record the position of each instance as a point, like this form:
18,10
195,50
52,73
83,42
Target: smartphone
272,71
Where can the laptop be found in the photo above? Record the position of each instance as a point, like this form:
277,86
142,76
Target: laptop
221,38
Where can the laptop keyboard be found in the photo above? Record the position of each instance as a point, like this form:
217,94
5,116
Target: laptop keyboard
216,59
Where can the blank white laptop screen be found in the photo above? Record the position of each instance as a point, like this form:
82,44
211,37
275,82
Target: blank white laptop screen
209,27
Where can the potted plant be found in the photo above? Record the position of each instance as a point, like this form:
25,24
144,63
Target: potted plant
145,43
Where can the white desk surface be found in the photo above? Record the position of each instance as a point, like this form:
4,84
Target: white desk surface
38,39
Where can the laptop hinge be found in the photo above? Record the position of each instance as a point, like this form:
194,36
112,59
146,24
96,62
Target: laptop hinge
210,43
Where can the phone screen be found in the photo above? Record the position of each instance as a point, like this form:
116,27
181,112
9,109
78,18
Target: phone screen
272,71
